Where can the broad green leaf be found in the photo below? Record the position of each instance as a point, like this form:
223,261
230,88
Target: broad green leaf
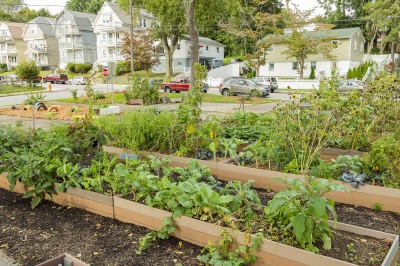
327,244
319,206
299,227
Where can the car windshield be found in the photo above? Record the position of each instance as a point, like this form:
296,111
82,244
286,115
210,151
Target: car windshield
273,79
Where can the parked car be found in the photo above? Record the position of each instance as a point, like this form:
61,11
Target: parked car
183,84
349,85
56,78
237,86
78,80
271,82
11,77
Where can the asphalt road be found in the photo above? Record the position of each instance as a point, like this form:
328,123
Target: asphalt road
60,91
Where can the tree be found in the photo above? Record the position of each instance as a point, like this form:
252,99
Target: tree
312,74
300,43
28,70
145,55
11,6
88,6
171,20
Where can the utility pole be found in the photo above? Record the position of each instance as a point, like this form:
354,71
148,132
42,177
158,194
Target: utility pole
131,16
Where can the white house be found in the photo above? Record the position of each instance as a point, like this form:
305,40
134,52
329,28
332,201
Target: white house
348,49
110,26
77,41
211,54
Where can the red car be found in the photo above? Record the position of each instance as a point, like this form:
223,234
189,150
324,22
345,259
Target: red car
182,84
56,78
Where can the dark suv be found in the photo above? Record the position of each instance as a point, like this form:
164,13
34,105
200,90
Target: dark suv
56,78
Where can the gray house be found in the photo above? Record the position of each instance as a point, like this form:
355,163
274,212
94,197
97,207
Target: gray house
77,41
42,44
12,46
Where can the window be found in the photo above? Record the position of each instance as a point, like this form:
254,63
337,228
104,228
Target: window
271,66
361,47
143,23
103,36
111,51
117,35
178,46
217,49
271,48
32,29
104,52
206,48
180,64
295,66
107,18
314,65
110,35
335,44
355,45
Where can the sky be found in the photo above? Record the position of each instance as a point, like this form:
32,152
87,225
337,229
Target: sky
55,6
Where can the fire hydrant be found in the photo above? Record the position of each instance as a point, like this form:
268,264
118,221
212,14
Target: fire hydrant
49,86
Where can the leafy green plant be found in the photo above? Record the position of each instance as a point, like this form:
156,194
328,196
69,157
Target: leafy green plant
303,210
221,254
377,207
75,94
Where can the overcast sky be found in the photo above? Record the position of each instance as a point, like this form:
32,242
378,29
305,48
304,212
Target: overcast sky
55,6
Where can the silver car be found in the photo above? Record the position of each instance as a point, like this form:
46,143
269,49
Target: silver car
78,80
270,82
236,86
349,85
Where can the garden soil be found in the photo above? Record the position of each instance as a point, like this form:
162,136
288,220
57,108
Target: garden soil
33,236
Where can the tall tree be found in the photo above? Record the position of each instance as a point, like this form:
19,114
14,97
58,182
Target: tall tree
171,20
88,6
385,14
11,6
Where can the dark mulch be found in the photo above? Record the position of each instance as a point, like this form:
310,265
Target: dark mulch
33,236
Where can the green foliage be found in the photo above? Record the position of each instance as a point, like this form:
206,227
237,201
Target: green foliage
142,90
3,67
312,74
303,210
71,67
377,207
28,70
122,68
12,137
33,98
223,253
360,71
91,6
82,68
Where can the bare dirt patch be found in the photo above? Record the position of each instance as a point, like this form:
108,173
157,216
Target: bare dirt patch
59,112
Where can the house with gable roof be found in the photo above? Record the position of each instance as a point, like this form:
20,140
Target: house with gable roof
76,40
348,49
111,25
42,44
12,45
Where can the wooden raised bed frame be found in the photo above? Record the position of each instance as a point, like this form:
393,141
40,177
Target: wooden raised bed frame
365,196
200,233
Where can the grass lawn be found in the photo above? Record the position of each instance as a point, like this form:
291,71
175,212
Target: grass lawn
7,89
208,98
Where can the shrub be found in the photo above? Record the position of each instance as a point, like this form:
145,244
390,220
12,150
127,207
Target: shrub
122,68
28,70
312,74
82,68
3,67
71,67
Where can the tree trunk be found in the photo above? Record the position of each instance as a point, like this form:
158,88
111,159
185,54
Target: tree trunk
194,38
301,68
371,44
169,52
393,45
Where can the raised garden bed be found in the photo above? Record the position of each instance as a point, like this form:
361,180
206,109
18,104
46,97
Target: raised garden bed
327,154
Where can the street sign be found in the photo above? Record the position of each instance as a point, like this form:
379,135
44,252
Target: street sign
105,72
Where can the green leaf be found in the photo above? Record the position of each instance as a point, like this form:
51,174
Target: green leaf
35,201
299,227
319,205
327,241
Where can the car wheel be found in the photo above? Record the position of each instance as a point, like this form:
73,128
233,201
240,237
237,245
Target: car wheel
69,83
177,91
167,89
225,92
44,80
272,90
79,83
